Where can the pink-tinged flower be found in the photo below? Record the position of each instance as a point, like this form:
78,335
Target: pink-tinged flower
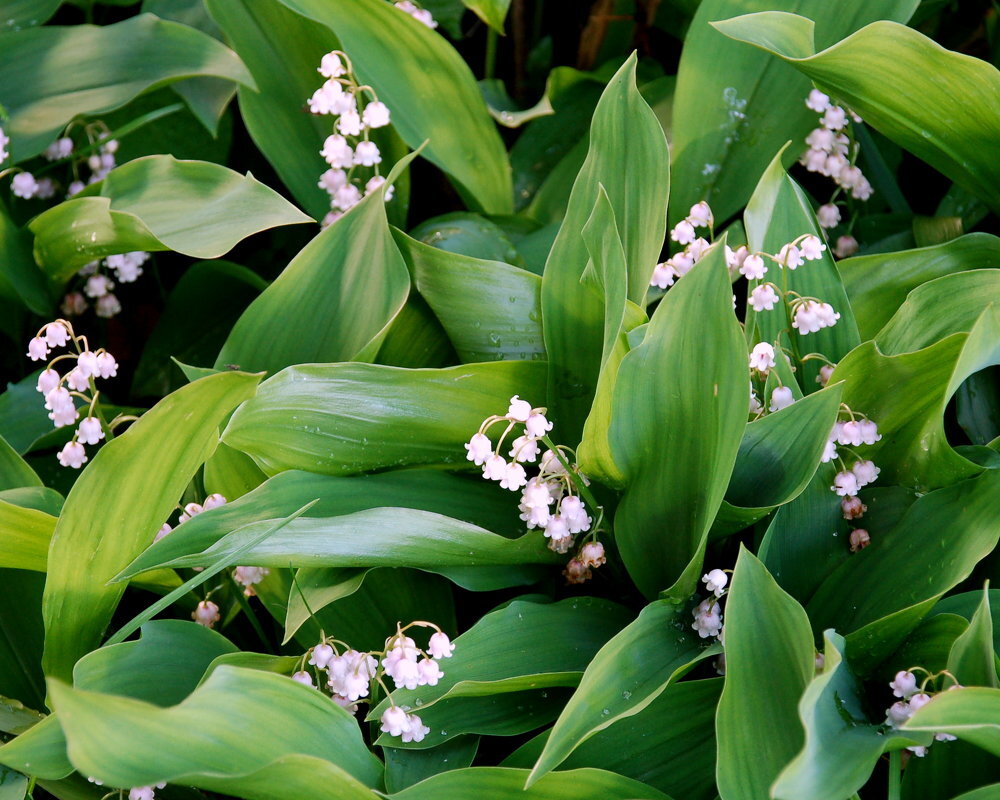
514,477
707,618
576,572
518,410
898,713
592,555
524,449
663,275
868,432
479,448
349,123
207,614
904,684
107,367
72,455
375,115
394,721
859,540
715,581
73,304
845,484
77,381
811,248
24,185
56,334
763,297
430,672
416,730
846,247
781,397
790,256
753,267
866,472
834,118
48,380
825,373
762,357
700,215
537,425
683,232
346,197
817,101
330,66
494,468
247,577
214,501
90,431
367,155
852,507
163,531
304,678
107,306
557,532
190,510
322,654
87,364
38,349
440,646
828,215
337,152
571,510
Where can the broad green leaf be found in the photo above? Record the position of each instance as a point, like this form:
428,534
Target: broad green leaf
282,50
196,208
333,302
18,14
404,768
522,646
923,561
841,747
973,660
939,308
780,452
231,473
888,73
971,713
119,502
489,309
24,537
908,394
780,212
199,313
20,269
669,745
468,234
769,662
626,675
627,156
429,89
492,12
40,751
689,374
966,604
127,742
23,420
878,284
416,339
928,645
88,70
14,470
503,783
13,785
15,717
162,667
736,106
607,275
991,792
321,417
21,636
379,537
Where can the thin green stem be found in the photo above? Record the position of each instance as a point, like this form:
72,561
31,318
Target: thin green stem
489,67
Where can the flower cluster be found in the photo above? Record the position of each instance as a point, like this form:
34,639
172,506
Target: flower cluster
550,500
59,390
357,111
854,432
685,233
99,163
913,697
98,284
708,613
350,673
419,14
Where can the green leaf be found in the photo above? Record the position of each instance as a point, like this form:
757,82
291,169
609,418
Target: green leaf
24,537
468,234
429,89
928,645
404,768
769,662
19,264
966,604
310,417
520,647
961,300
127,742
842,747
780,452
162,667
736,106
924,563
878,284
607,274
196,208
973,660
971,713
503,783
692,361
990,792
282,50
21,636
669,745
627,156
492,12
378,537
333,302
199,313
118,503
779,212
18,14
40,751
15,717
908,394
489,309
87,70
888,73
626,675
14,470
